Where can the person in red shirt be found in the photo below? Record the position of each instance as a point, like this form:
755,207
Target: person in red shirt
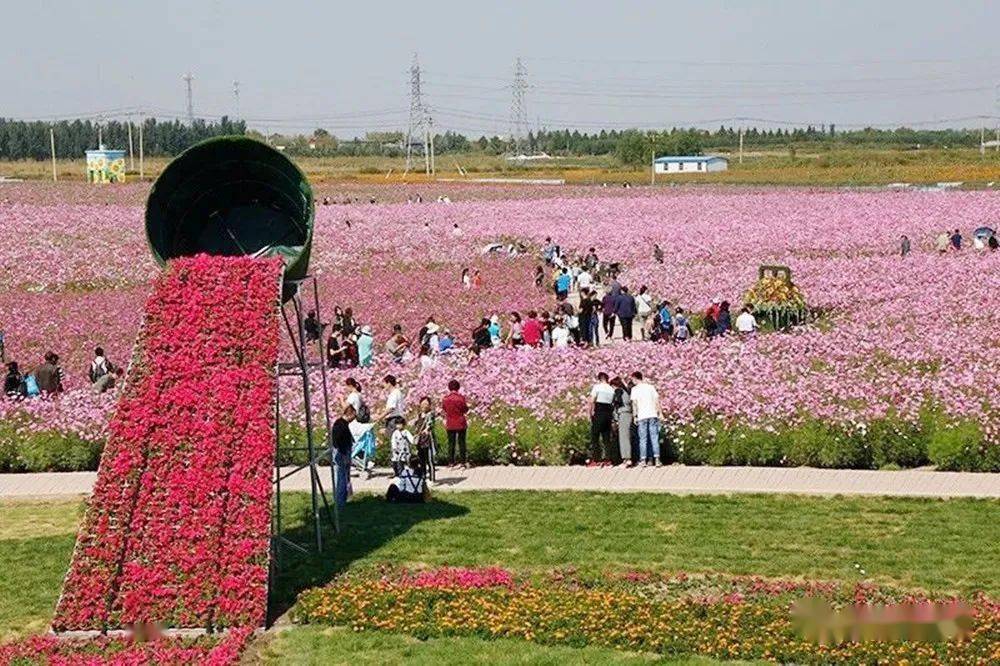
456,424
532,330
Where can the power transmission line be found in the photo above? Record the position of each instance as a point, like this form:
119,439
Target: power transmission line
419,125
190,103
518,110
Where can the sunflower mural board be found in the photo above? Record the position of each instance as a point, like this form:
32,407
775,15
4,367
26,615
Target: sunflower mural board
776,300
106,166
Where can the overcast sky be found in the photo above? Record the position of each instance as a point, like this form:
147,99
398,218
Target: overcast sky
344,65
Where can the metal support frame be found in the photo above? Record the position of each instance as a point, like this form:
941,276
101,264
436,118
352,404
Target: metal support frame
299,366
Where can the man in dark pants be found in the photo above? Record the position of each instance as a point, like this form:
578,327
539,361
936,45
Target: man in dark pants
601,420
625,310
608,314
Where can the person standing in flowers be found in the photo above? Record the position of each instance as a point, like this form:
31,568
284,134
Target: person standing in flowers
531,330
49,376
682,329
904,245
602,395
456,424
342,443
941,242
723,322
657,254
515,334
563,283
466,279
647,415
746,323
366,347
398,346
540,277
956,240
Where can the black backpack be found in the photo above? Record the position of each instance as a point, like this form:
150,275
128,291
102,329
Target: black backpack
364,414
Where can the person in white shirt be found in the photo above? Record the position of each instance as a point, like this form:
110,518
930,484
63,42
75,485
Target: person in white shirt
584,280
560,334
746,323
643,308
395,409
647,414
402,445
602,395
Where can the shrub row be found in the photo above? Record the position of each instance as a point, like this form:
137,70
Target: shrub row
888,443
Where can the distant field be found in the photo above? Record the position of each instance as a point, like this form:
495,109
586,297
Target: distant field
813,166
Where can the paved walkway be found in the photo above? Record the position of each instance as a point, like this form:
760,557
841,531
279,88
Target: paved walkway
671,479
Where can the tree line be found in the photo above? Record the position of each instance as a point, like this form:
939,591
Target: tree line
20,139
30,139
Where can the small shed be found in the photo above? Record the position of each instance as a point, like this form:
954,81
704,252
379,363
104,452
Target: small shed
105,166
690,164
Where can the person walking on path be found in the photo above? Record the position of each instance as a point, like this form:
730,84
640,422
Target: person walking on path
647,414
622,413
456,423
904,245
342,443
356,401
643,308
608,315
625,310
602,396
588,311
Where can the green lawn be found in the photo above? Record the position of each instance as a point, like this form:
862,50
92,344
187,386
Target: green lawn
322,646
939,545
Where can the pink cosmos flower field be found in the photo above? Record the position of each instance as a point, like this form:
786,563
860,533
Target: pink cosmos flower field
902,335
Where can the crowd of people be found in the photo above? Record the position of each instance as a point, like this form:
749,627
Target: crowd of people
625,418
46,379
953,242
409,434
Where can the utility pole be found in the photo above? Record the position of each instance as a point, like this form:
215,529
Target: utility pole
52,146
131,154
518,110
418,125
236,98
430,135
982,139
100,137
741,144
142,121
652,169
187,78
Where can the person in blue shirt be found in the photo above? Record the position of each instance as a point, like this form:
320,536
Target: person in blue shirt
563,283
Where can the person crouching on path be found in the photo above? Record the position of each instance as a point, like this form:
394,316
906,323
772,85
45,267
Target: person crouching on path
342,443
456,423
408,487
602,396
647,414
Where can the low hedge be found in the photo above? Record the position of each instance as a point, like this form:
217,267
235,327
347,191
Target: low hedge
515,438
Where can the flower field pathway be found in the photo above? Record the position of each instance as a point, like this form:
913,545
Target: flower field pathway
678,479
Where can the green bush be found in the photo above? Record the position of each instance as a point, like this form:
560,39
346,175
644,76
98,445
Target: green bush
47,451
957,447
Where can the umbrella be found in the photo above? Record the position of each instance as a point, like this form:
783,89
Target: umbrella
984,232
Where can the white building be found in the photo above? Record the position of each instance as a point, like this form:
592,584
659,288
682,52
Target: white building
690,164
